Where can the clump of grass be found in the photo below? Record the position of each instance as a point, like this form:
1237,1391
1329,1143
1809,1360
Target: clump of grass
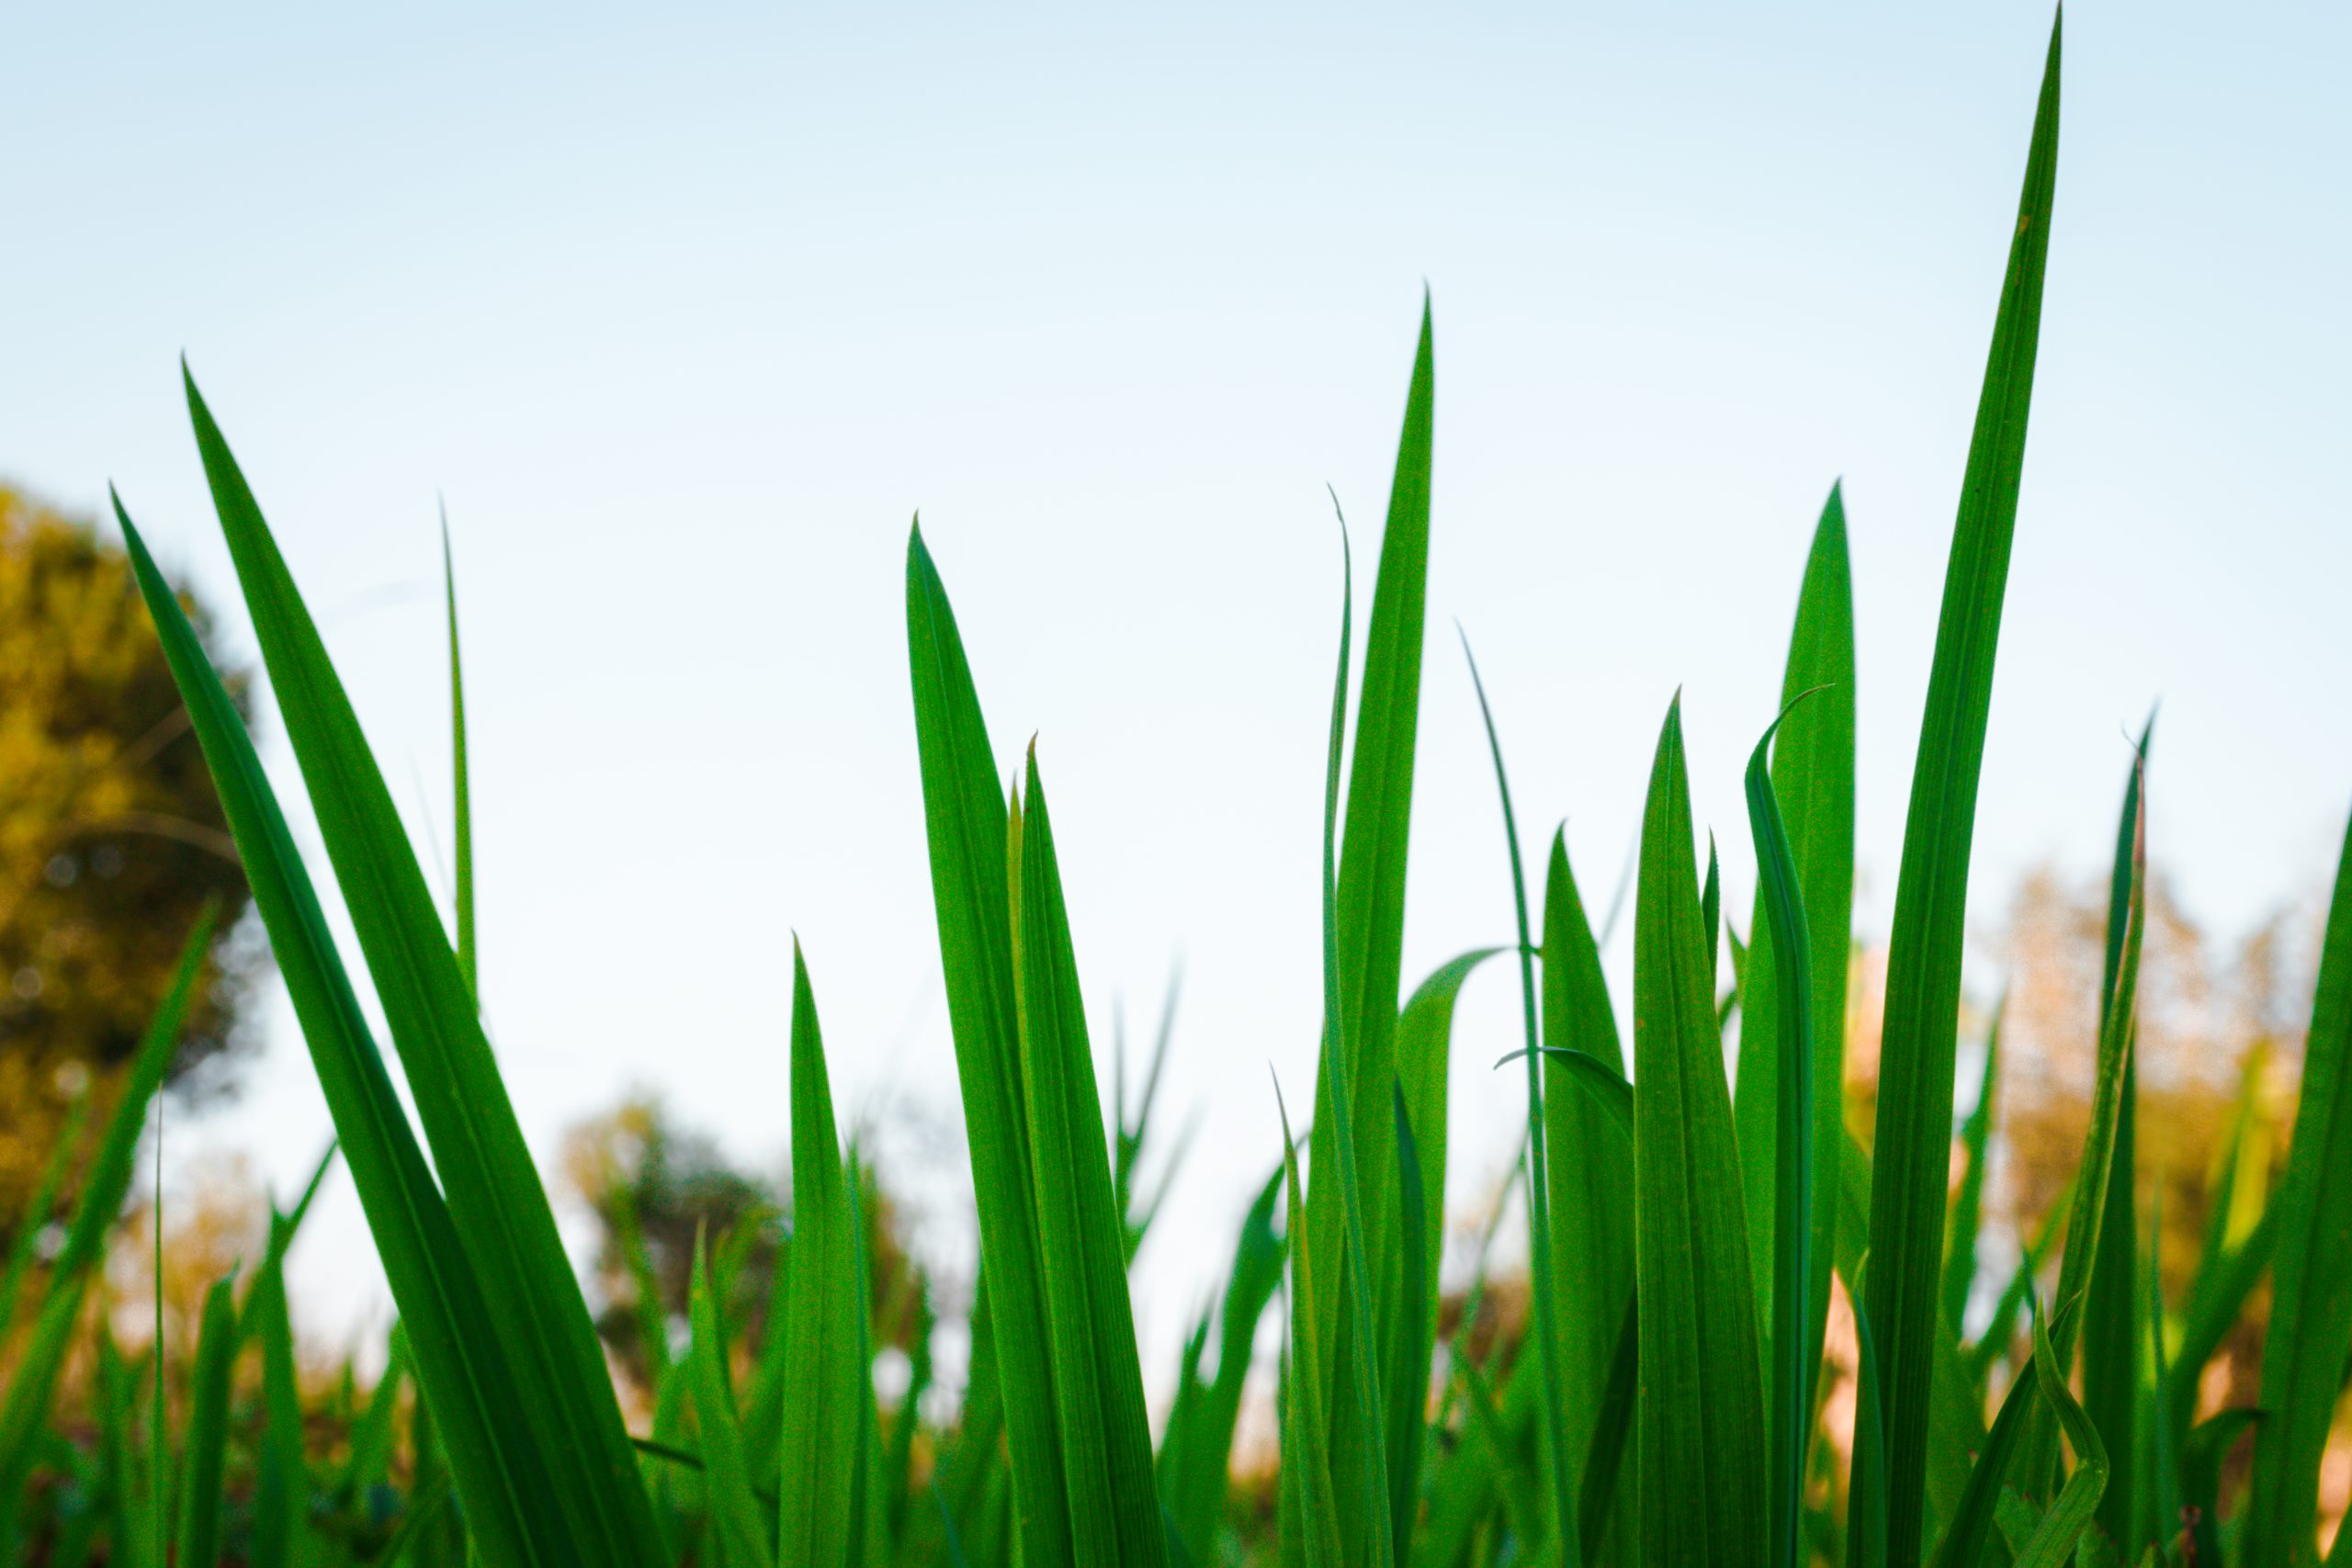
1664,1405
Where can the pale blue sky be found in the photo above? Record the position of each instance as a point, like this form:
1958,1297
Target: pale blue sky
686,318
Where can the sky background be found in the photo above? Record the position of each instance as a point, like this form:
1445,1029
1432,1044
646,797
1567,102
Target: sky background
686,320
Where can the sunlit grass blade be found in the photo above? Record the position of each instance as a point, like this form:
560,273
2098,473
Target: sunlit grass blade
1364,955
32,1384
204,1457
1424,1059
1929,930
1592,1181
822,1317
461,788
1545,1326
1098,1381
736,1519
1968,1204
509,1500
492,1189
1790,1384
964,808
1702,1411
1408,1363
1813,780
1310,1521
2311,1296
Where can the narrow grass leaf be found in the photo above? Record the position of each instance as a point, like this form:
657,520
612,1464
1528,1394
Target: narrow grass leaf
736,1517
1968,1204
461,792
204,1457
1311,1524
1930,929
2072,1511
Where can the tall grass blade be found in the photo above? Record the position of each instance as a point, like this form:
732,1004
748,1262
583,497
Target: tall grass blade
1703,1440
1310,1522
1545,1327
821,1316
204,1459
2310,1297
1098,1383
281,1524
1195,1463
1968,1204
1866,1490
736,1517
1813,780
1969,1527
1591,1182
510,1501
964,812
492,1189
461,793
1917,1037
1790,1385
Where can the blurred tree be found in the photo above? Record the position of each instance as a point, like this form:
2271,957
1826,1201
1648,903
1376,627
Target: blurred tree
111,837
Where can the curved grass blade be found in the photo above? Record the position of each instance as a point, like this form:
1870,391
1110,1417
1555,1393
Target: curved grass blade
2311,1298
821,1319
736,1517
1702,1441
2071,1512
1813,780
1790,1384
205,1460
492,1189
509,1499
1424,1051
1591,1182
1105,1434
966,815
1917,1037
1969,1530
1549,1350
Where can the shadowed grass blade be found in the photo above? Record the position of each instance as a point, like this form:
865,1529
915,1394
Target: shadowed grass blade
1591,1182
1866,1491
1702,1441
1968,1206
204,1461
964,809
821,1316
1790,1385
492,1190
509,1501
1813,780
2310,1310
1917,1037
1097,1383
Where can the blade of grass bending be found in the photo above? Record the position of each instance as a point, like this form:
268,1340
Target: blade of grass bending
1914,1136
469,955
509,1500
2310,1297
2111,1333
1548,1347
1790,1384
492,1188
1365,954
1969,1529
737,1520
36,1217
1968,1205
2072,1511
1591,1182
1106,1432
966,816
204,1460
1424,1051
1311,1506
1702,1413
820,1317
1812,779
33,1384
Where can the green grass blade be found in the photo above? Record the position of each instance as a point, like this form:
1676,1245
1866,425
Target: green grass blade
1195,1493
1866,1491
1424,1053
509,1501
2311,1298
2071,1511
1812,779
1591,1182
203,1461
1791,1382
281,1527
1416,1321
1545,1327
1311,1509
469,955
492,1190
736,1519
821,1316
2201,1485
1703,1440
1917,1037
33,1384
35,1219
1970,1528
2162,1493
1097,1383
964,812
1968,1204
1365,955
